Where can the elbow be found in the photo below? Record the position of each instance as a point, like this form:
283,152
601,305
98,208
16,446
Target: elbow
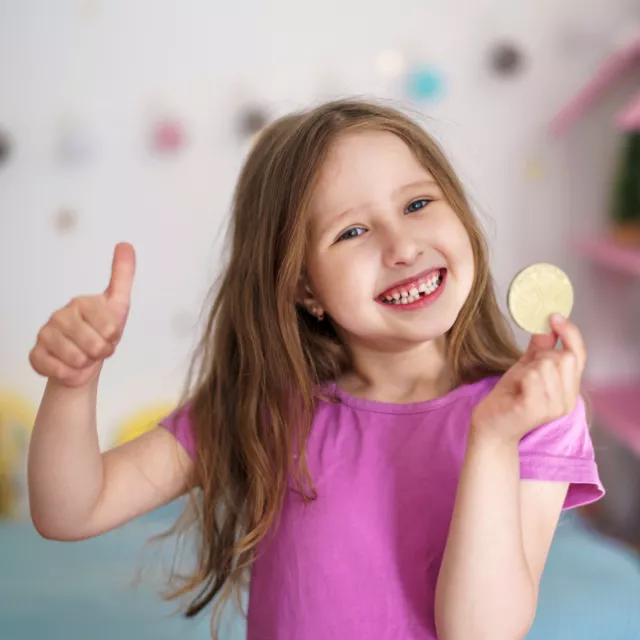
57,535
45,530
53,532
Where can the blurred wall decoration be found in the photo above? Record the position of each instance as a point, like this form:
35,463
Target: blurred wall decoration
425,83
16,420
168,136
141,422
5,147
506,59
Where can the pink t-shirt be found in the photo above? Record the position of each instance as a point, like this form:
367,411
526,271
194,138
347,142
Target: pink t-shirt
362,560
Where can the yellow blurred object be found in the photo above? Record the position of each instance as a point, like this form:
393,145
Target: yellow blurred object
16,422
141,422
533,170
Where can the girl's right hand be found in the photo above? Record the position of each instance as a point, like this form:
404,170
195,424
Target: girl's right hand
73,344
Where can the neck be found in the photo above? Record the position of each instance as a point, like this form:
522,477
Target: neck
414,374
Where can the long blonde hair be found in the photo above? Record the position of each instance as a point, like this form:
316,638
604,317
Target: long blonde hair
253,382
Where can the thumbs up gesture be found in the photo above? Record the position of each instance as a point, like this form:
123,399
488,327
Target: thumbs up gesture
73,344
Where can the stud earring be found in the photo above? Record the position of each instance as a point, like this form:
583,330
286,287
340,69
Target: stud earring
318,313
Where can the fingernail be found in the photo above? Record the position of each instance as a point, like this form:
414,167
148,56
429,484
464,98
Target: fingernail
558,318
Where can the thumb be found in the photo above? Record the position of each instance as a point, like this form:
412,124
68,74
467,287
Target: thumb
118,291
539,342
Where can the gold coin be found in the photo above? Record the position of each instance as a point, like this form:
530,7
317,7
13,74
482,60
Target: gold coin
536,293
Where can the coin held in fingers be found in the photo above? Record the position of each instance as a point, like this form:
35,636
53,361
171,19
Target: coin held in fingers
536,293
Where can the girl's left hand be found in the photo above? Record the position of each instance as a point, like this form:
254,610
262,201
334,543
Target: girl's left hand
542,386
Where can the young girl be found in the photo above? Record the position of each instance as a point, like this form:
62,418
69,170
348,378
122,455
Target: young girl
364,434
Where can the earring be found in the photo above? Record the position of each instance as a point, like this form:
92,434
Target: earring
318,313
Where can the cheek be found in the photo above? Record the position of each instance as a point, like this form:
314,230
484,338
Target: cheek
455,245
341,278
464,262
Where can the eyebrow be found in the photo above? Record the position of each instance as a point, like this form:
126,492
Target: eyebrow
405,187
426,182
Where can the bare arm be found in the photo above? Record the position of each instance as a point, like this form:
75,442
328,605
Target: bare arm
498,542
502,527
75,491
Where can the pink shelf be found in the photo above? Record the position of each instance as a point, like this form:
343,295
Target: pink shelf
616,408
611,254
615,66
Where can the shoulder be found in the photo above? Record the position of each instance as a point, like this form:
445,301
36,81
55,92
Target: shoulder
179,422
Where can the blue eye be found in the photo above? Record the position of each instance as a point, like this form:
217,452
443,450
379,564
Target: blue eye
417,205
354,232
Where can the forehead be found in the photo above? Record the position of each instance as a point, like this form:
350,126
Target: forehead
362,168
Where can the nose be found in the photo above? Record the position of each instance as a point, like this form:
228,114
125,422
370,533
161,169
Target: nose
400,249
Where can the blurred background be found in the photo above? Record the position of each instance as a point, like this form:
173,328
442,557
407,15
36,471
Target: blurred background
130,121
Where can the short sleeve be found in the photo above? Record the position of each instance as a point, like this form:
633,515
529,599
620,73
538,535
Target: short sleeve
562,450
178,422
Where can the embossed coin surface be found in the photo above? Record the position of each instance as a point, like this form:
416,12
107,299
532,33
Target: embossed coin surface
536,293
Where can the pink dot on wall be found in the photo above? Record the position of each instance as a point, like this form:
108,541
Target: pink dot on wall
169,136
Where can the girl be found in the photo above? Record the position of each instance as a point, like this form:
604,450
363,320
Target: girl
363,432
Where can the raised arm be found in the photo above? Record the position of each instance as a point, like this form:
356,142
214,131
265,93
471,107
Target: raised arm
75,490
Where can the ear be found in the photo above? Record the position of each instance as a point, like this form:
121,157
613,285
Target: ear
306,299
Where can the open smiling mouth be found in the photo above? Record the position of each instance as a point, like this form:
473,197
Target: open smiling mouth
417,293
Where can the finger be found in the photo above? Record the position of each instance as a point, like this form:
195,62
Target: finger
539,342
570,377
533,391
563,373
47,365
552,355
571,339
550,381
123,267
63,348
100,318
73,325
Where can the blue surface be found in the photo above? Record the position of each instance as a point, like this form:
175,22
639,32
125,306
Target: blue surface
60,591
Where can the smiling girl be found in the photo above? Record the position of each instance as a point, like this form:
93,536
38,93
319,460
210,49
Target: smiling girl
364,438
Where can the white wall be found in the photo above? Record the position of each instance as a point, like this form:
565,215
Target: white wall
120,63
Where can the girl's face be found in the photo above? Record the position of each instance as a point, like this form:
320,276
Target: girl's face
388,259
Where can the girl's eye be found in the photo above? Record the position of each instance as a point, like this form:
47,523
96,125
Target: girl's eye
417,205
354,232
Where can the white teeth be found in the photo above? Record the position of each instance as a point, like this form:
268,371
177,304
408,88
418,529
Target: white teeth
412,295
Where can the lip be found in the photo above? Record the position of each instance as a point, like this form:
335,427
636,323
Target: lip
406,281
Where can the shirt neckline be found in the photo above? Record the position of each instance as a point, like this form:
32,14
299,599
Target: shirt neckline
409,407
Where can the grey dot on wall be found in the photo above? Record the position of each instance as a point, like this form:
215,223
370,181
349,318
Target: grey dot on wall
5,147
251,120
506,59
65,220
